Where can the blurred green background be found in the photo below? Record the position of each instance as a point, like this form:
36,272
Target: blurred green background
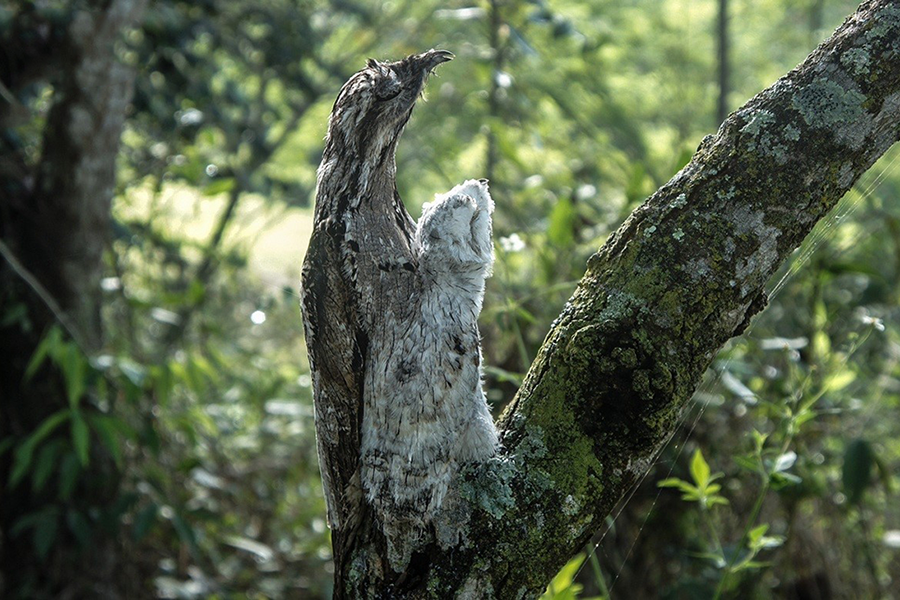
576,111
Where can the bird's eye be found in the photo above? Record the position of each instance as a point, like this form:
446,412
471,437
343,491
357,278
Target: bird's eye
388,89
381,97
387,85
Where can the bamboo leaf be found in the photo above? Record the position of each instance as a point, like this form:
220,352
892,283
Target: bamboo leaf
25,452
80,437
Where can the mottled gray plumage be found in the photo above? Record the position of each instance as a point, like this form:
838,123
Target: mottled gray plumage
424,411
390,311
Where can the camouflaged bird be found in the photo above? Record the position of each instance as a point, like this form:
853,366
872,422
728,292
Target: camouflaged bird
390,312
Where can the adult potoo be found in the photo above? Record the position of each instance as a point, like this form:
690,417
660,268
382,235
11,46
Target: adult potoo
390,315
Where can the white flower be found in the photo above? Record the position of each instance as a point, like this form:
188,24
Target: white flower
875,322
512,243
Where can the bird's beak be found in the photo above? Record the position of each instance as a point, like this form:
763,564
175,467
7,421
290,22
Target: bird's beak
431,59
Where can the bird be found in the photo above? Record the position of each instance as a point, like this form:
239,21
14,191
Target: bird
390,309
424,412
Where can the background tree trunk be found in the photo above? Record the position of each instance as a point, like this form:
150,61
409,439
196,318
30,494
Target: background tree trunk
724,72
682,275
54,220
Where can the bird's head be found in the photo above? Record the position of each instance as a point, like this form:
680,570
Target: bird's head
374,105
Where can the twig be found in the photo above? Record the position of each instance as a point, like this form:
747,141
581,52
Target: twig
45,296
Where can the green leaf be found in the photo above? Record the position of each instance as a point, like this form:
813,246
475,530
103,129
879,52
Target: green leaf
162,383
79,526
717,559
219,186
839,268
45,533
750,565
15,313
757,532
782,480
80,437
563,586
681,484
74,367
857,470
504,376
196,292
48,345
748,462
25,451
821,343
144,521
635,189
108,429
561,230
43,466
884,473
839,381
525,315
68,475
699,469
185,532
803,416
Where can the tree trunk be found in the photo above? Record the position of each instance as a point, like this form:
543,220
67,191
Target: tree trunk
682,275
54,219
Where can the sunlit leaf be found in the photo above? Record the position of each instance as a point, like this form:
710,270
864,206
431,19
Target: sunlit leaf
563,586
838,381
699,469
219,186
561,230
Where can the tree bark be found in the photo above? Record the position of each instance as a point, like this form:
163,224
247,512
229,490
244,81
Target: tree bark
683,274
54,219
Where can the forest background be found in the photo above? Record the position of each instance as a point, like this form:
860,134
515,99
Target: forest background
786,459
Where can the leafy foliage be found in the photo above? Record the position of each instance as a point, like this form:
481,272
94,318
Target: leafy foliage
575,111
